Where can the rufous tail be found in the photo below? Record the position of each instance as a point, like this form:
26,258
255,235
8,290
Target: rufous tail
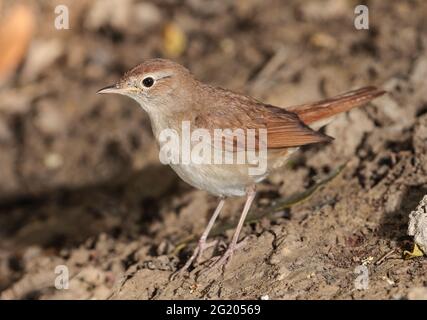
314,112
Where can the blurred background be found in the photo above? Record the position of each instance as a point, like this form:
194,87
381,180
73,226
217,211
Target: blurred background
81,184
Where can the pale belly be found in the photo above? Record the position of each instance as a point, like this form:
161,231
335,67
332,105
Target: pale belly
230,179
220,180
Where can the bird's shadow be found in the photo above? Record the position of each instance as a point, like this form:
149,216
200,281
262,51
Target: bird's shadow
66,218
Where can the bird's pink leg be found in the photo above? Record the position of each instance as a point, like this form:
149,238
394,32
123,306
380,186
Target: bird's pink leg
202,245
234,245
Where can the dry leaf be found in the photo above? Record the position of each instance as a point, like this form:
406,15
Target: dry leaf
174,40
16,31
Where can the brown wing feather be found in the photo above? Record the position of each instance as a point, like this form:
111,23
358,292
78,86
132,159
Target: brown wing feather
312,112
284,128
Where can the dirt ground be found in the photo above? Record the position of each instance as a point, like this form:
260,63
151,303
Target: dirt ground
81,184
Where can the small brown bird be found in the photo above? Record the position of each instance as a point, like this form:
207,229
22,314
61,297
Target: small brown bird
171,96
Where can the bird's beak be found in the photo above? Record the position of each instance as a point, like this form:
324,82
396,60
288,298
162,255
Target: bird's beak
111,89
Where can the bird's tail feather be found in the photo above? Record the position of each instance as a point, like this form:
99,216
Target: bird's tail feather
311,113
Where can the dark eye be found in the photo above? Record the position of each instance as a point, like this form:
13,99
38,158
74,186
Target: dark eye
148,82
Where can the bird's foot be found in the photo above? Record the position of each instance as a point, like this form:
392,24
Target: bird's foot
225,259
197,254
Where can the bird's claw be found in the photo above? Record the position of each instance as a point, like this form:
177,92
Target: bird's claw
197,254
225,259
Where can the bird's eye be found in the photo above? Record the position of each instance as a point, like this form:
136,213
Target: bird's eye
148,82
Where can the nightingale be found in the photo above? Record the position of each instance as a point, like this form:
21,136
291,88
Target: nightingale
171,96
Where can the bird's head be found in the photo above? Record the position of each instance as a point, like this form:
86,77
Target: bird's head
156,84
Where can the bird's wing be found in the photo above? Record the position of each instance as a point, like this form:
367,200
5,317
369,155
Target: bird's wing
282,128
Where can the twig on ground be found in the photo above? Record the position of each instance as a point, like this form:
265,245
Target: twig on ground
384,257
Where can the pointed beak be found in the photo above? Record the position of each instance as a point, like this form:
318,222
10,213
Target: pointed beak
110,89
